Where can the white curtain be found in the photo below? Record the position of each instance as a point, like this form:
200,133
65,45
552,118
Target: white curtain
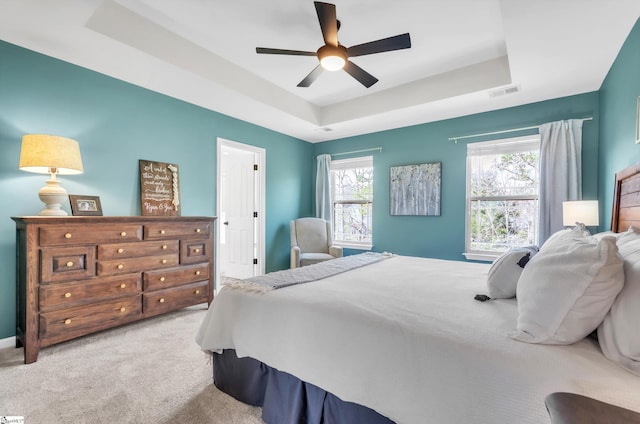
560,172
323,188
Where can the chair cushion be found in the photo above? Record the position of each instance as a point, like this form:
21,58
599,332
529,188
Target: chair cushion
314,258
311,234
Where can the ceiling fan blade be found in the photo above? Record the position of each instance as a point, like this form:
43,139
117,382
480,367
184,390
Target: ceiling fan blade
398,42
328,22
364,77
313,75
266,50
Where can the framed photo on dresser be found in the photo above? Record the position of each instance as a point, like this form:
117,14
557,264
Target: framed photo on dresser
83,205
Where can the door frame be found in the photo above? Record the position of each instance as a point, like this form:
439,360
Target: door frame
260,192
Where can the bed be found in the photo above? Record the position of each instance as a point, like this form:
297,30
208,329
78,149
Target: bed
403,340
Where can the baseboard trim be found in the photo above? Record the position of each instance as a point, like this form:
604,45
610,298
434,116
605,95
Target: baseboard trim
8,342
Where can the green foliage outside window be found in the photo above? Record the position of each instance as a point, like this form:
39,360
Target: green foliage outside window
504,201
353,200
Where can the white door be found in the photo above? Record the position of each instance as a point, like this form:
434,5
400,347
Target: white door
240,210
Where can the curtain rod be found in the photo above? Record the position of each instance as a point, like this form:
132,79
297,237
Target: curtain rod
455,139
379,149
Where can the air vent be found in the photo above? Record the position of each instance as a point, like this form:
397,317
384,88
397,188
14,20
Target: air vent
504,91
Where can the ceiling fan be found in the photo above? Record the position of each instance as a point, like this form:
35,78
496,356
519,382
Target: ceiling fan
333,56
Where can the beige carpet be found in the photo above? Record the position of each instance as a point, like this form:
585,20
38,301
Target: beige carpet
146,372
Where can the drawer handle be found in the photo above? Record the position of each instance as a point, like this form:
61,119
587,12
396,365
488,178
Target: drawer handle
162,300
120,266
197,230
197,250
69,264
164,261
123,309
162,231
123,234
67,321
123,286
67,295
197,291
161,278
164,247
121,250
197,272
67,235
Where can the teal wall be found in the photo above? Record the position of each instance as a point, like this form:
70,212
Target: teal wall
443,236
618,99
117,124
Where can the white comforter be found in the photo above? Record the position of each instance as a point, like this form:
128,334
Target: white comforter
406,338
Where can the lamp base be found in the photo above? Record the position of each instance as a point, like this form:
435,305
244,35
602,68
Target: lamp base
52,195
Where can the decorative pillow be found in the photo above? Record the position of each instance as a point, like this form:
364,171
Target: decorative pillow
618,334
567,288
506,269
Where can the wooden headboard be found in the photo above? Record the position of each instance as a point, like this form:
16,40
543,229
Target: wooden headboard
626,199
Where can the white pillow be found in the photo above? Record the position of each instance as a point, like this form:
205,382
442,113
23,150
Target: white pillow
505,271
578,230
567,288
618,335
607,234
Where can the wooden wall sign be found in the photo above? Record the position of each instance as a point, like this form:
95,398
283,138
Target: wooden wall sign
159,189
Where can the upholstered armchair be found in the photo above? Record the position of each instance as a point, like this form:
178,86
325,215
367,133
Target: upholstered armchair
311,240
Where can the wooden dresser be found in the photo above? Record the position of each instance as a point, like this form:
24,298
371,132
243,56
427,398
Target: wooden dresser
79,275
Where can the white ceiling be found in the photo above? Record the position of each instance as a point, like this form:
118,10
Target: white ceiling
203,52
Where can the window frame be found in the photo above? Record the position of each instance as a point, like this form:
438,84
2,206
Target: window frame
350,163
505,145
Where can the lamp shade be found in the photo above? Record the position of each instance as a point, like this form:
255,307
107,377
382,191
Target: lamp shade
582,211
40,153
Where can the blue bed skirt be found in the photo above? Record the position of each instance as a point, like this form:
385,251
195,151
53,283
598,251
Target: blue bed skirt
284,398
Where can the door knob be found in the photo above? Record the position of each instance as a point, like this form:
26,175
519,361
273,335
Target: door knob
226,222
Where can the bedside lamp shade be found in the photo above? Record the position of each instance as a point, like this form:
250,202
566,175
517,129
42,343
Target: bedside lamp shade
49,154
580,211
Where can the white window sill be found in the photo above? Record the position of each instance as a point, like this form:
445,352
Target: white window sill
486,257
353,245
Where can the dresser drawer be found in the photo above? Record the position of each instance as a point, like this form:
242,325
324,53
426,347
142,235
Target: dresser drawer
170,230
69,294
69,323
161,301
165,278
193,251
67,263
127,265
82,234
133,250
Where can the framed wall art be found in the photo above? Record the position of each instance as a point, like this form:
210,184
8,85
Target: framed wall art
159,189
82,205
415,189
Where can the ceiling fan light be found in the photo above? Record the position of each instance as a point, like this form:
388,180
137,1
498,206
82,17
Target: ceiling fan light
332,63
332,58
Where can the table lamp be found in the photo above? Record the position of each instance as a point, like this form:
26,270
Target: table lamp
50,154
580,212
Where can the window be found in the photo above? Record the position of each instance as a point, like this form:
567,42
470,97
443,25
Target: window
502,196
352,194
